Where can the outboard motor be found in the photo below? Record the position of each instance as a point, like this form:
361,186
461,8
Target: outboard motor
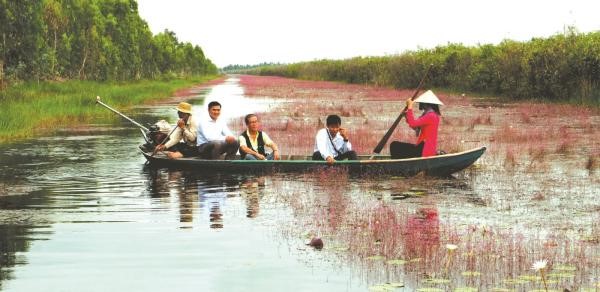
156,134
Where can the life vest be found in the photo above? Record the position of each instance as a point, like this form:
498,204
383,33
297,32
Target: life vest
259,139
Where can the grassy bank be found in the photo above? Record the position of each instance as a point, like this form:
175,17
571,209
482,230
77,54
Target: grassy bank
29,109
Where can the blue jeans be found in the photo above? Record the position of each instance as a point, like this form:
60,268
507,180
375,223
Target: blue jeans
269,156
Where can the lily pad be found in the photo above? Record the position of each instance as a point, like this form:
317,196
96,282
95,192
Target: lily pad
531,278
396,262
381,288
430,289
515,281
471,274
465,289
502,290
386,287
565,268
376,258
561,275
436,281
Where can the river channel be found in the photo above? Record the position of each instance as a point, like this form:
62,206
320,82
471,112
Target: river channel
81,211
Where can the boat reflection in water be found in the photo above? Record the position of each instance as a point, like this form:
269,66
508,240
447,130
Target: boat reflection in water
205,195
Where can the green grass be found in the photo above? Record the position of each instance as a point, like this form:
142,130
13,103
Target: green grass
30,109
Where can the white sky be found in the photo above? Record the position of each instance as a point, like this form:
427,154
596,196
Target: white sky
255,31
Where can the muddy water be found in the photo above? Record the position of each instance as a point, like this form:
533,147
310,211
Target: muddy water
80,211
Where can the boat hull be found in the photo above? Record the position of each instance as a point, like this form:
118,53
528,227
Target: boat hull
441,165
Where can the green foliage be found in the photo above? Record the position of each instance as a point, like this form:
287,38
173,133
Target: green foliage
31,106
89,40
562,68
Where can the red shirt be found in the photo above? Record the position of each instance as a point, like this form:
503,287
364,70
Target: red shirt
428,123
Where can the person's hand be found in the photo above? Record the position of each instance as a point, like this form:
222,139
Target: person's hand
181,123
343,133
160,147
409,103
260,156
330,160
276,155
230,139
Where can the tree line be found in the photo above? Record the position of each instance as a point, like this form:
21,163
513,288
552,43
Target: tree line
100,40
563,67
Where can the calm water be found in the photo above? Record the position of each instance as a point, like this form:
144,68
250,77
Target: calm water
80,211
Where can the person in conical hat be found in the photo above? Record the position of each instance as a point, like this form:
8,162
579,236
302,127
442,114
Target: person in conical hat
182,142
426,127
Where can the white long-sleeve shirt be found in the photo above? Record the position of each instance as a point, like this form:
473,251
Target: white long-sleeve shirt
211,130
323,144
188,134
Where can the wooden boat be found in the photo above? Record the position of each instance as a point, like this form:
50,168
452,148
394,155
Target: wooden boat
441,165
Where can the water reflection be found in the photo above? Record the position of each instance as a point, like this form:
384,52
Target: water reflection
205,194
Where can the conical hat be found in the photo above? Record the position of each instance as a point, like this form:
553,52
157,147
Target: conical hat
428,97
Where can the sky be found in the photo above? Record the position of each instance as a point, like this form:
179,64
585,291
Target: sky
249,32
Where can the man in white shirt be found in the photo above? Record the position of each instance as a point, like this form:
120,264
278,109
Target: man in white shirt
214,137
331,143
186,131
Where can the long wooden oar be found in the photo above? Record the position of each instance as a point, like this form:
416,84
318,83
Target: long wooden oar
98,101
389,133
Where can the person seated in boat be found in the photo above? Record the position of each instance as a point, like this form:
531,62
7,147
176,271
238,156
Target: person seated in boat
331,142
253,142
182,141
426,127
214,137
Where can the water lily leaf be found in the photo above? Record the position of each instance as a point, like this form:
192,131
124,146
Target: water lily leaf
381,288
415,260
515,281
471,273
561,275
396,262
429,289
340,248
531,278
436,281
396,284
498,289
376,258
565,268
465,289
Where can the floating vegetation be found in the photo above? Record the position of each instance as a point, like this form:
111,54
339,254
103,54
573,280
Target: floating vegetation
430,289
436,281
465,289
386,287
376,258
397,262
564,268
471,274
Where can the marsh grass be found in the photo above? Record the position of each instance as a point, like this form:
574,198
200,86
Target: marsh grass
28,109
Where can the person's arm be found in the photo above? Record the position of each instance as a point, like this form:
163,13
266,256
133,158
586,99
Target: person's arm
345,146
272,145
173,139
422,121
191,133
322,142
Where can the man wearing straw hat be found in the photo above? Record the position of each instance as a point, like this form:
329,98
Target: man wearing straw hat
186,131
426,127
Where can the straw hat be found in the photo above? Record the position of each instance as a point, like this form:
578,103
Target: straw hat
184,107
428,97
